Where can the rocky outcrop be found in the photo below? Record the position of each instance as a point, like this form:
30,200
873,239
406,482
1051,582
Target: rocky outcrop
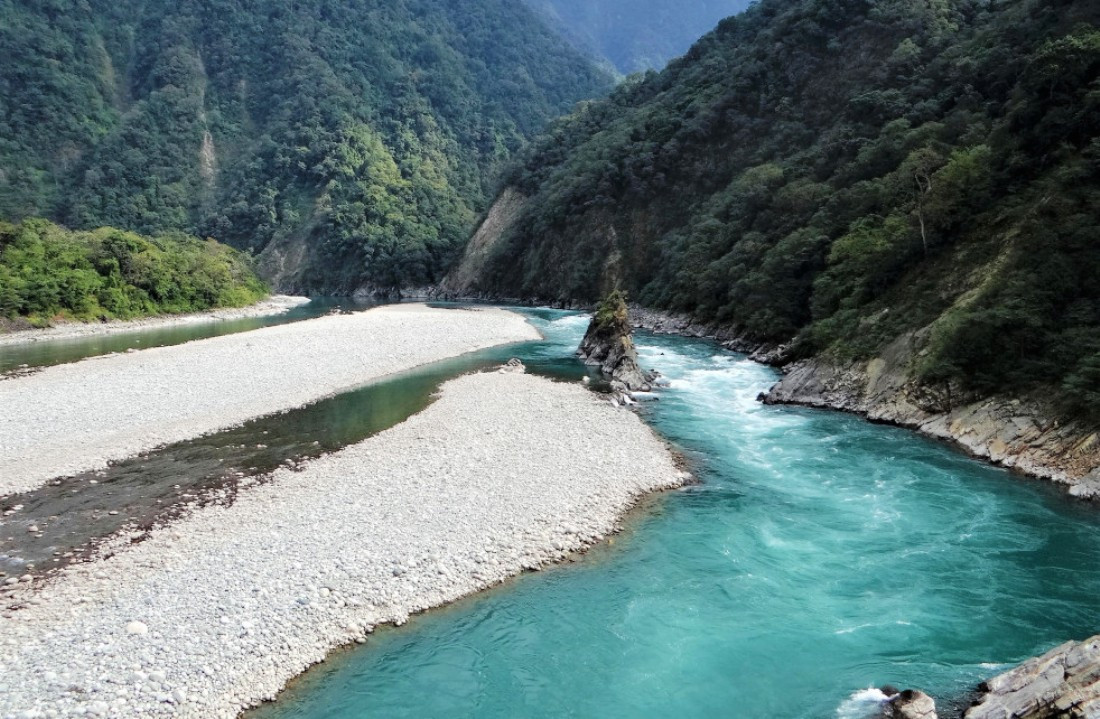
283,260
910,704
609,344
1019,433
1064,683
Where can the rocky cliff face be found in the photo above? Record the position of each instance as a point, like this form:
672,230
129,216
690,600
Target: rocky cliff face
463,279
1064,683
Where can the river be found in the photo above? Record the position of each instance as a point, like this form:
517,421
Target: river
820,555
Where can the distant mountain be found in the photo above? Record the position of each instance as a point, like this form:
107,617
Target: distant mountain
637,35
352,143
848,176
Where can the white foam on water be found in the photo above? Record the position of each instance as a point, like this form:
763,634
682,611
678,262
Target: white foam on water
862,704
852,630
572,321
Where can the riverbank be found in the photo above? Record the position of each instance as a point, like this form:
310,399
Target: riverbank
80,416
1018,433
217,611
274,305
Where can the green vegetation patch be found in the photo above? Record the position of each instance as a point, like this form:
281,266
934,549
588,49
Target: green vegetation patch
49,273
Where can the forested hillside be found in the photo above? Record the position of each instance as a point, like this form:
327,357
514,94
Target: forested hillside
351,142
48,272
843,172
636,35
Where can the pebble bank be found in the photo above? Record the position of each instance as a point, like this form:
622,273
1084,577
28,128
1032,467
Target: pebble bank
215,613
80,416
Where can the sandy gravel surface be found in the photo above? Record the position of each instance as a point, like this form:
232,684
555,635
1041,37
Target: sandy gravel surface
274,305
217,611
79,416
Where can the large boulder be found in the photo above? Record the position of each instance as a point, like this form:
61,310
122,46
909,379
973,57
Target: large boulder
609,344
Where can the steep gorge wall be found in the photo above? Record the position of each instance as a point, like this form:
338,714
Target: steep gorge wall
463,278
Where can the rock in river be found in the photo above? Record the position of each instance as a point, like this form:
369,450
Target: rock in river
609,344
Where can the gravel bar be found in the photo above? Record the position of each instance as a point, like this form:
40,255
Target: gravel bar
80,416
274,305
216,612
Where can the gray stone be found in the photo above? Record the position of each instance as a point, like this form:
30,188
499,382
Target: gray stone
1064,683
911,704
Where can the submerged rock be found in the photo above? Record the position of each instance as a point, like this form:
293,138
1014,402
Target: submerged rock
609,344
1064,683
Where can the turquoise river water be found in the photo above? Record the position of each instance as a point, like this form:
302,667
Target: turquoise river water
821,555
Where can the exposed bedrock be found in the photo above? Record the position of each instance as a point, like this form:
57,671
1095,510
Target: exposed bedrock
1064,683
1015,432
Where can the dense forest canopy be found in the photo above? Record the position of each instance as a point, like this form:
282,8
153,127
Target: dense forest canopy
48,272
636,35
353,142
844,172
